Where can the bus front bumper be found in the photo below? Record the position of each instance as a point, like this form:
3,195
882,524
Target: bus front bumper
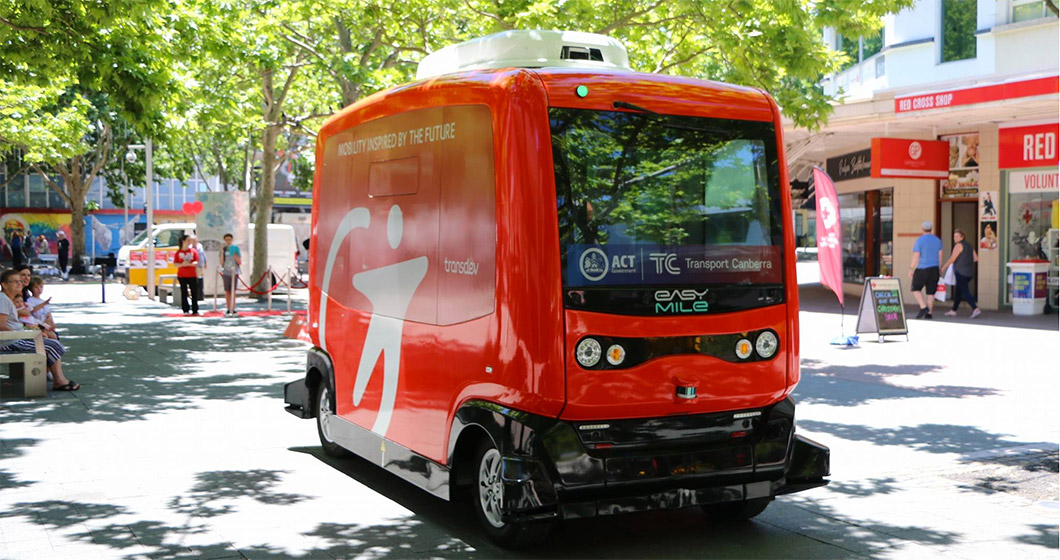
660,464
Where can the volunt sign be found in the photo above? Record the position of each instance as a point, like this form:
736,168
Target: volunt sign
910,159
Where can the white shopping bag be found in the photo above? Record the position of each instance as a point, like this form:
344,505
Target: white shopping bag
950,279
941,291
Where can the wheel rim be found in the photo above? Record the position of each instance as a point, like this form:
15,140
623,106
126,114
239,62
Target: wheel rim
324,415
490,489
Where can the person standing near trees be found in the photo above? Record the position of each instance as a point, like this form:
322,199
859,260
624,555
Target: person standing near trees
231,259
200,269
62,250
186,259
16,249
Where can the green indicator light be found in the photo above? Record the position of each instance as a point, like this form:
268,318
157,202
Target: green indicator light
582,91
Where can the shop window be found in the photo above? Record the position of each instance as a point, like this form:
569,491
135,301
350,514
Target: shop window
958,29
859,49
867,220
1027,10
1030,217
13,194
38,192
852,220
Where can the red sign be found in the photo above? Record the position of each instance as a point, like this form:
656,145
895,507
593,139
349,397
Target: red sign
911,159
829,233
980,94
1028,146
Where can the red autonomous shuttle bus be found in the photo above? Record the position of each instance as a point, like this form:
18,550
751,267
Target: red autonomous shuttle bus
559,286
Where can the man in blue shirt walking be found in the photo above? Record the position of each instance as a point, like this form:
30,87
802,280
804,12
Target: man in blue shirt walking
924,270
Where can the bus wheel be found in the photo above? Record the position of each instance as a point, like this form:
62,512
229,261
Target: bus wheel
325,419
737,511
488,498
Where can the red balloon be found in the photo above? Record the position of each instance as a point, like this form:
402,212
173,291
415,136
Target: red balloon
196,206
188,208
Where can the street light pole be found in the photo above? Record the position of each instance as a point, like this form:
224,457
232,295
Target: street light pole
149,198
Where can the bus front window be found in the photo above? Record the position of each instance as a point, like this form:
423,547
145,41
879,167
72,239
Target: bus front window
650,202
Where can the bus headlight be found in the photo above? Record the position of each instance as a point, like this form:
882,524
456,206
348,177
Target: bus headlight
743,349
616,354
766,344
588,352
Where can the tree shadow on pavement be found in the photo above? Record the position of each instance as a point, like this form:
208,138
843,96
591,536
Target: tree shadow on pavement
132,371
681,534
835,385
1043,535
972,443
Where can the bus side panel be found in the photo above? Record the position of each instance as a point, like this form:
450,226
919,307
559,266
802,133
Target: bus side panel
457,339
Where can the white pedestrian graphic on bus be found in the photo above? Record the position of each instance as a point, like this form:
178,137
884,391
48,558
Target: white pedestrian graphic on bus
389,289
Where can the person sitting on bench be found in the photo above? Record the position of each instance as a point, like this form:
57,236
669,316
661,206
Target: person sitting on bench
10,286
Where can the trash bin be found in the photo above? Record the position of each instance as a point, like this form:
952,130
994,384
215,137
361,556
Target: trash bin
1027,281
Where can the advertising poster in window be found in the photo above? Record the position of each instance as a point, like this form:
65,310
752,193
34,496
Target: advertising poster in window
988,220
963,180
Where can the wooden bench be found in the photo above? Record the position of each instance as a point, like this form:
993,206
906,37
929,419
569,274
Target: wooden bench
34,364
167,287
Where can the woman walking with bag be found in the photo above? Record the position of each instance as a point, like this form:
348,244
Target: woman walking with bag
963,259
186,259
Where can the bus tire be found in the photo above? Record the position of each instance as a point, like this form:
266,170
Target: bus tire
487,497
324,417
736,511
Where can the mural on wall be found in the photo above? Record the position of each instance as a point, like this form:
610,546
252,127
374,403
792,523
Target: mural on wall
33,226
104,233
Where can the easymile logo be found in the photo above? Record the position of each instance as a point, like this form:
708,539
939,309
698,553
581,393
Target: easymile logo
681,301
593,264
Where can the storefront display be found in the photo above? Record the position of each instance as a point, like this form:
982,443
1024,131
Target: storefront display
1032,193
867,220
963,179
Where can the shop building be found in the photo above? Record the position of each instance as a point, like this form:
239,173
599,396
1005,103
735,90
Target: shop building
950,115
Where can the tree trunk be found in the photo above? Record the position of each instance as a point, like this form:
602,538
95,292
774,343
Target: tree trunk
263,211
76,189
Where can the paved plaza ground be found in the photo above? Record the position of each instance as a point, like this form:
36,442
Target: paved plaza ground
177,446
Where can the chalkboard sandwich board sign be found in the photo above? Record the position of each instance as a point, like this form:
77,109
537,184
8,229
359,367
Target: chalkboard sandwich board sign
882,310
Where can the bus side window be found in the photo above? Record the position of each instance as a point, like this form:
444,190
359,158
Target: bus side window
467,240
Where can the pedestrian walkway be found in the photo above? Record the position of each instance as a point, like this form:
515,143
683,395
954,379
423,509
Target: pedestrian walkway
177,446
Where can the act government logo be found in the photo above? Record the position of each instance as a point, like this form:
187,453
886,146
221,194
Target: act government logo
593,264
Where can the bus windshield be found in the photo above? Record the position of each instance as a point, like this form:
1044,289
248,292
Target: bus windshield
648,201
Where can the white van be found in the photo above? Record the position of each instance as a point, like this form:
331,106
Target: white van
165,235
283,248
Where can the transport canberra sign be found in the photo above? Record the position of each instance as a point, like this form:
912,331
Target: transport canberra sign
977,94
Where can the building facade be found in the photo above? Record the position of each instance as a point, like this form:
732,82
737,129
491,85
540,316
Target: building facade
972,86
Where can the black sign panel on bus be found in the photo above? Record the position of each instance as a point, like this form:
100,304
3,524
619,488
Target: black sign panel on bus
882,308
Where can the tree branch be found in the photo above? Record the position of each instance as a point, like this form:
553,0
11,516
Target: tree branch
12,25
624,21
504,24
14,176
55,187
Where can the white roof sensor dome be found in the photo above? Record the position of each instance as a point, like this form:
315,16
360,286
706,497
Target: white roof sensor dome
527,49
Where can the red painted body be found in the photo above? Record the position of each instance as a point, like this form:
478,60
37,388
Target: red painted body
503,335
